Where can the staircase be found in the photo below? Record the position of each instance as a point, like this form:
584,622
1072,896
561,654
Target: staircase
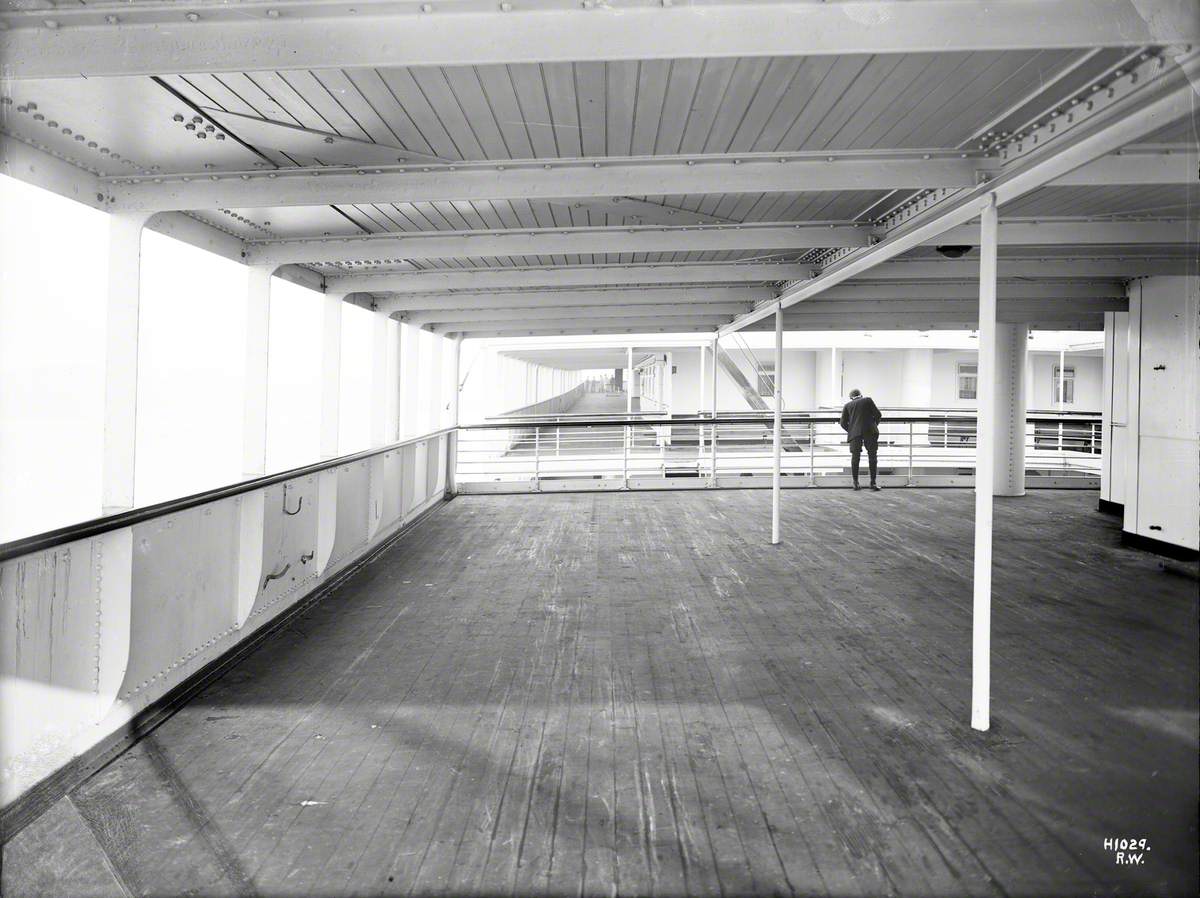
750,393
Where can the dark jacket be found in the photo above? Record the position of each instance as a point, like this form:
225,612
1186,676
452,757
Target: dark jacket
860,418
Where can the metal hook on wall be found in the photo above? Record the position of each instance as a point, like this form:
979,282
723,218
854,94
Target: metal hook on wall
276,575
285,508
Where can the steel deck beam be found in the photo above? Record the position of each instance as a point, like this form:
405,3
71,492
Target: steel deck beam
115,38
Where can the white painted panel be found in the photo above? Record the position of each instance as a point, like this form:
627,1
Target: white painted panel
1116,447
1168,375
420,473
353,499
1120,367
184,598
289,544
437,479
1168,474
48,654
393,471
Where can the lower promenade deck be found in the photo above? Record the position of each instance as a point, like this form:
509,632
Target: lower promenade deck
586,693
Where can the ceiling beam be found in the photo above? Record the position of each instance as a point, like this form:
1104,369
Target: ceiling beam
156,38
705,238
557,242
694,296
37,167
629,313
566,276
968,269
866,323
963,309
965,320
1173,165
472,332
605,177
1037,307
1137,104
411,307
439,281
611,179
571,324
967,289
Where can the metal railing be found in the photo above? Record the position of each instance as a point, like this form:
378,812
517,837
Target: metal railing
658,452
143,599
122,609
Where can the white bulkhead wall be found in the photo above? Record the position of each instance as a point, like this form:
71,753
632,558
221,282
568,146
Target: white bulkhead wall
1161,464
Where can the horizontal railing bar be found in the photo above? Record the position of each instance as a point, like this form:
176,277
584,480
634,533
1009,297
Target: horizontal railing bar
97,526
741,418
932,409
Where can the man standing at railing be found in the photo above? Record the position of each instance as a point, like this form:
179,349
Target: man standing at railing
860,420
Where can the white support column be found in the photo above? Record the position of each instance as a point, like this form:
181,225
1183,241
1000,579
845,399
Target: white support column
432,389
629,380
713,398
121,359
258,329
380,423
777,449
456,380
392,337
252,505
985,442
716,345
1011,350
331,396
452,439
331,374
410,368
379,380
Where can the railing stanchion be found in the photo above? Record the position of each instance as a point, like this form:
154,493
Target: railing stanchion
712,480
910,453
812,453
626,433
537,468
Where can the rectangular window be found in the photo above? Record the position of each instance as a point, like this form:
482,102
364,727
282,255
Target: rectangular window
766,379
1068,386
968,380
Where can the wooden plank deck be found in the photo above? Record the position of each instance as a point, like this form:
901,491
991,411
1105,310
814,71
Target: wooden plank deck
636,694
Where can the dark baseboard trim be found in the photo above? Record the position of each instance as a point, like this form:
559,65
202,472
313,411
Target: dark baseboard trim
40,797
1114,508
1158,547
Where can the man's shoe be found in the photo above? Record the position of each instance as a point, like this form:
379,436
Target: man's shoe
876,487
856,486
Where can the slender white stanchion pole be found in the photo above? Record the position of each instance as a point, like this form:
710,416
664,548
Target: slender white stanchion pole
254,400
777,458
716,345
331,374
121,359
629,379
703,405
452,438
985,464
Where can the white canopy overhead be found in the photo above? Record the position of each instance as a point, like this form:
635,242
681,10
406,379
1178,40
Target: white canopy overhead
561,167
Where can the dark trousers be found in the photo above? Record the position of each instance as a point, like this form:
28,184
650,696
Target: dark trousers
856,447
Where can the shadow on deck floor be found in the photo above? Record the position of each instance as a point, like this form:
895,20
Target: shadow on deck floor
576,694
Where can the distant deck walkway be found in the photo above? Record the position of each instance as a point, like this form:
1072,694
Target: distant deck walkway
601,404
570,694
